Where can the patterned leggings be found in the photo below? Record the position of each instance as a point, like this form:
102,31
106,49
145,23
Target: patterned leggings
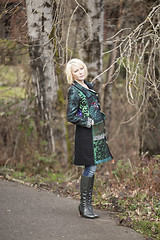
89,171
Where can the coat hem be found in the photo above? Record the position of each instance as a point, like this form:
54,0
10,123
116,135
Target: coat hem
97,162
104,160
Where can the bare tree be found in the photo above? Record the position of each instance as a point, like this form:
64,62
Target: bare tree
139,55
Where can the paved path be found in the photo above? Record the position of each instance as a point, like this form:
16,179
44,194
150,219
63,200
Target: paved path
27,213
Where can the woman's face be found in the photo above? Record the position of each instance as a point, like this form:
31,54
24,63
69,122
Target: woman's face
78,72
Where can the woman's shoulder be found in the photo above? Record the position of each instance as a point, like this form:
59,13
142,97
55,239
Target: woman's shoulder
73,92
72,88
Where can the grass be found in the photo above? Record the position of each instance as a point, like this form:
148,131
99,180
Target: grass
151,229
45,176
11,78
9,74
11,92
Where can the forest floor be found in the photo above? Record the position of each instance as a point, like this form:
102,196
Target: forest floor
131,195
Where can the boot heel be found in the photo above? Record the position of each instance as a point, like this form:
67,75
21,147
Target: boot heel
80,213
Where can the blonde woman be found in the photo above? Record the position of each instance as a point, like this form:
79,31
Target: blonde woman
91,147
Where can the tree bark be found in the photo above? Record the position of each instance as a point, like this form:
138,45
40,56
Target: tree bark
149,131
44,79
90,38
107,90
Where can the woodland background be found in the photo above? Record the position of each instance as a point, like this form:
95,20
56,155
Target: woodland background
120,43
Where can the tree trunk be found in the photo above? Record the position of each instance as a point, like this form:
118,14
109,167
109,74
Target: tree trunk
150,127
44,79
90,24
149,132
107,90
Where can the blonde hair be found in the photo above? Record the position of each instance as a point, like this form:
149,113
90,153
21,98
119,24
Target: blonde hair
68,70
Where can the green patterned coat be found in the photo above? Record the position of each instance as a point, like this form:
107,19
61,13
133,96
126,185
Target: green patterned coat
90,141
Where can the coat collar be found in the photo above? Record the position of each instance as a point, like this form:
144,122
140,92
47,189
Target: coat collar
88,92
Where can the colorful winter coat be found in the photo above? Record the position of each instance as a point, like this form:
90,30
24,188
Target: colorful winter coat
90,141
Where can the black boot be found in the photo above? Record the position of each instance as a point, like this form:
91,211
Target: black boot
90,199
83,207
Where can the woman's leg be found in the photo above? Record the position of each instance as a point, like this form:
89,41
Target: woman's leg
87,180
89,171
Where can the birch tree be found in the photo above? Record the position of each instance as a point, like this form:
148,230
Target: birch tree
44,79
86,22
91,50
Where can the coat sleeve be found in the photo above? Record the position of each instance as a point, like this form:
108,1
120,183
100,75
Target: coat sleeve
72,109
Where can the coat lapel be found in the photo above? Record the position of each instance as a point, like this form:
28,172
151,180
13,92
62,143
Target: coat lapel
87,92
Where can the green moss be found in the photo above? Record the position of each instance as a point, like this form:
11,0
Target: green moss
61,98
106,58
52,35
68,143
